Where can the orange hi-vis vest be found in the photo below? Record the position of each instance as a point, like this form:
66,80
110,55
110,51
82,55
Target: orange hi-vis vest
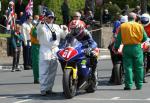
147,29
33,38
131,33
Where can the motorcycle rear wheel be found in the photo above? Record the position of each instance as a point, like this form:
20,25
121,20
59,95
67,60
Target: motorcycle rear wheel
69,84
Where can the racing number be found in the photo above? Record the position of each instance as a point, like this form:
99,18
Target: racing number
66,54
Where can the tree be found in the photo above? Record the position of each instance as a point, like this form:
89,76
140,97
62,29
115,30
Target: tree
144,6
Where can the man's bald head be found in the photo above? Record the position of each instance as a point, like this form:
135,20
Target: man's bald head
132,16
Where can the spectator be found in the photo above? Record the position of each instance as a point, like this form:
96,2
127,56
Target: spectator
106,17
76,16
125,10
90,5
10,17
131,35
22,18
36,19
17,21
65,12
89,20
17,39
137,10
49,37
35,50
26,29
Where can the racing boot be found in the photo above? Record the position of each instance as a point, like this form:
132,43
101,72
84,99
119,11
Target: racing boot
95,76
112,78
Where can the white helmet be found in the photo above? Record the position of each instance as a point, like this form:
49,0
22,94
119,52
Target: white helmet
145,19
124,19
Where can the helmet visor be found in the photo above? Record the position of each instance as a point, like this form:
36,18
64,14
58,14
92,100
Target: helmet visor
75,32
144,20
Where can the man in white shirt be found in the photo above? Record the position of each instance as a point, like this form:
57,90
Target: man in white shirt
49,35
26,29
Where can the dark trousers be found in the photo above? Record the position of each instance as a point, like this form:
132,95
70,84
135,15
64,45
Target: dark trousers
16,56
27,56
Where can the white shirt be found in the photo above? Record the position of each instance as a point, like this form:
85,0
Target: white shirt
26,29
49,47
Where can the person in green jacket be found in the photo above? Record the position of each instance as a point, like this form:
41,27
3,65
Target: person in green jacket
131,35
35,52
17,39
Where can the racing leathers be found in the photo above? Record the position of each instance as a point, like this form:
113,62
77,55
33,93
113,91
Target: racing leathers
88,45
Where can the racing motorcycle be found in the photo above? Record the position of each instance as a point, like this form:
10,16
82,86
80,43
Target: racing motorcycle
117,76
75,76
118,67
146,51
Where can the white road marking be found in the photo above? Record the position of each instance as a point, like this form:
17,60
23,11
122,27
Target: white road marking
115,98
112,99
22,101
104,57
148,99
103,49
2,97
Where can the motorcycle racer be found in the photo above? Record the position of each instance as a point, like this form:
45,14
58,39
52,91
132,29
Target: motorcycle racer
145,21
79,33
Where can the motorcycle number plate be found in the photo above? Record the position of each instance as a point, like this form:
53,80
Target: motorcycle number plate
68,53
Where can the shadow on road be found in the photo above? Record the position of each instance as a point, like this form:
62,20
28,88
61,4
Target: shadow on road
14,83
57,96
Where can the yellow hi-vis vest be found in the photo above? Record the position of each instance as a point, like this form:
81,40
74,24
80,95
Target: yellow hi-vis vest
131,33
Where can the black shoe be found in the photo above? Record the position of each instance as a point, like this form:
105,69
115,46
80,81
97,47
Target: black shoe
50,92
111,81
26,68
17,70
43,93
12,70
144,81
36,82
127,88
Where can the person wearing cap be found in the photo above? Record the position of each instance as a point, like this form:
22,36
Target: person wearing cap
131,35
49,35
35,49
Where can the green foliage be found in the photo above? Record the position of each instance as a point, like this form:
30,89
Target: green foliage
122,3
55,5
5,35
4,6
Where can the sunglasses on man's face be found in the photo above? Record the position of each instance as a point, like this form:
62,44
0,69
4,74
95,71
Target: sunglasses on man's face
76,16
51,17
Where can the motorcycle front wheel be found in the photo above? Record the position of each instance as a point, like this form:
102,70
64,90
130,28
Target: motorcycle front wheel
69,84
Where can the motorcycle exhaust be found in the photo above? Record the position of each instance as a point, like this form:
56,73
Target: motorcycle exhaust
84,85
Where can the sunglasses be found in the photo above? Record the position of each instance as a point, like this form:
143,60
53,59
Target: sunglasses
76,16
50,17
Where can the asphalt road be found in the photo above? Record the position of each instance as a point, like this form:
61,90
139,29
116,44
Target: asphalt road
18,87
